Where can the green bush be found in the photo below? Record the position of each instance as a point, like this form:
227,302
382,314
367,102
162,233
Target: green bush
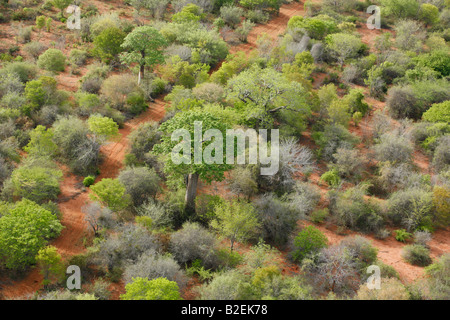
416,254
308,241
88,181
331,177
318,216
25,228
402,236
439,112
52,60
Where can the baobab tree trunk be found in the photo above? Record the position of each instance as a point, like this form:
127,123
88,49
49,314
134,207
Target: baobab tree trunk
141,73
191,193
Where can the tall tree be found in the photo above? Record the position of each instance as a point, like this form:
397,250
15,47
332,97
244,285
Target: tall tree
144,46
193,166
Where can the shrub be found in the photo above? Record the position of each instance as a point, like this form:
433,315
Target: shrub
257,16
117,88
25,70
393,148
310,240
77,57
152,265
143,139
352,210
343,46
80,151
25,228
391,289
244,30
140,183
441,205
126,245
348,164
52,60
156,289
194,242
231,15
277,218
319,215
441,157
439,112
332,138
438,274
422,238
429,13
243,181
416,255
401,235
161,215
35,182
100,289
88,181
224,286
362,252
209,92
410,208
107,44
34,48
112,193
331,177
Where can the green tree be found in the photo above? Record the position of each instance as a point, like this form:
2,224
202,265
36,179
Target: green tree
429,14
50,262
189,166
155,289
41,143
267,93
343,46
52,60
40,23
61,5
103,128
37,183
107,45
308,241
144,46
25,228
236,221
111,192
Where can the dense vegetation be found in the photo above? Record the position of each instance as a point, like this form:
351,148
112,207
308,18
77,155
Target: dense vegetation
355,120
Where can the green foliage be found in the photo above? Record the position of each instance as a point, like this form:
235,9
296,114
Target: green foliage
343,46
155,289
437,60
144,46
41,143
107,45
36,183
429,13
331,177
52,60
319,215
417,255
316,28
236,221
103,127
308,241
402,235
190,13
112,193
439,112
25,228
400,9
438,274
88,181
51,264
185,120
183,73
